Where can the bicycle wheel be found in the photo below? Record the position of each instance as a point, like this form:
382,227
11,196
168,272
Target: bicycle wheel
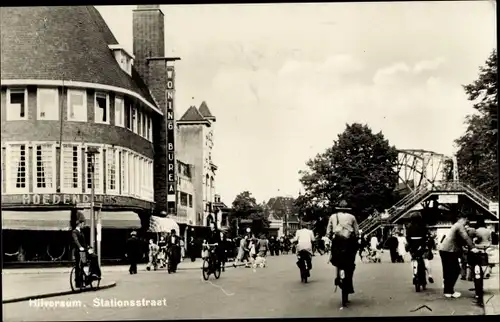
205,270
421,274
72,280
217,271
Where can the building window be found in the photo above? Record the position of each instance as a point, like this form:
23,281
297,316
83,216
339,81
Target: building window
150,129
119,111
97,172
190,197
111,173
17,168
144,126
128,115
124,160
137,176
47,104
131,178
44,167
17,104
139,123
184,199
101,110
77,105
71,166
134,119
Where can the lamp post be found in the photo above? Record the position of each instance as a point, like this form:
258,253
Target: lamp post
92,152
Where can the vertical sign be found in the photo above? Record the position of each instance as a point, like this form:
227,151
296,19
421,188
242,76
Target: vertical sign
171,162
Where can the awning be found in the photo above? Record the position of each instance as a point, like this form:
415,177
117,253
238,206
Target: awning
36,220
116,219
163,225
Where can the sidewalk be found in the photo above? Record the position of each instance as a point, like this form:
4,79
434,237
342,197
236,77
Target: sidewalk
22,284
492,290
18,287
184,265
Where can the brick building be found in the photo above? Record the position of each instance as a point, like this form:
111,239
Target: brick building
67,85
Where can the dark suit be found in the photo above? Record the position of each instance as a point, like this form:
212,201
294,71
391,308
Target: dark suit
133,253
78,241
174,250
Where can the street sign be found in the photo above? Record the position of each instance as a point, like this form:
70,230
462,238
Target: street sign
448,199
83,205
493,207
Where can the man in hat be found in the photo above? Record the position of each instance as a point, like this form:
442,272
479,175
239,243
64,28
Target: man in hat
79,248
173,247
343,231
133,252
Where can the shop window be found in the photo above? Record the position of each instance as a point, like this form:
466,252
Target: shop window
101,110
47,104
71,165
44,167
17,104
17,168
77,105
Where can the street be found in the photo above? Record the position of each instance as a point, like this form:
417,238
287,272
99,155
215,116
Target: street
383,289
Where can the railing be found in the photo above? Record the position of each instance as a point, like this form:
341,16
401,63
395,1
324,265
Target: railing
416,196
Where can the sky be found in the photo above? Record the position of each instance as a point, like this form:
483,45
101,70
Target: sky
283,80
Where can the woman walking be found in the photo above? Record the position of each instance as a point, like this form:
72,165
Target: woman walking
401,248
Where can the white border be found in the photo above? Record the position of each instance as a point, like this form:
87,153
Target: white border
46,82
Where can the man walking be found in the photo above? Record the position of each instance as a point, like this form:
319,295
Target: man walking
79,248
133,252
173,247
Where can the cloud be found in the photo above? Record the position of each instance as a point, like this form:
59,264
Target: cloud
428,65
299,109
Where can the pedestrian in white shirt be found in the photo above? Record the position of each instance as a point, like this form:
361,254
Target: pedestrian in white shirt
304,238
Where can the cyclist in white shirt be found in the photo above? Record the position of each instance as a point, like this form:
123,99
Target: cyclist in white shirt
304,238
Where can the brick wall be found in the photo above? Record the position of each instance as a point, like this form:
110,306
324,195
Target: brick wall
85,132
149,37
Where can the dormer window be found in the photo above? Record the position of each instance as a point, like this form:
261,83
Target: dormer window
123,58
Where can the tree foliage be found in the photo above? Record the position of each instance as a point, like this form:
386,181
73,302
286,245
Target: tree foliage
477,148
358,168
246,207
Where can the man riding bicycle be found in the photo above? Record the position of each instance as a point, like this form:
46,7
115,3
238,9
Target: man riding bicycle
304,238
343,231
212,242
418,241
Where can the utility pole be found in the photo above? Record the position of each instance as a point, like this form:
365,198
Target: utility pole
92,152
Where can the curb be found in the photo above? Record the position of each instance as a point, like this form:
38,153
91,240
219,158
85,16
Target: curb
54,294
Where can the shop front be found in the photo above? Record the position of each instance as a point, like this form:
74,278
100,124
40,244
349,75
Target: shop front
36,229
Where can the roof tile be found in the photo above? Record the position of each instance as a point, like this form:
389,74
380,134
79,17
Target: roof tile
205,111
192,115
62,43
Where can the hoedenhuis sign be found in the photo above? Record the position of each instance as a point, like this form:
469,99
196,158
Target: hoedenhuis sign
64,199
171,163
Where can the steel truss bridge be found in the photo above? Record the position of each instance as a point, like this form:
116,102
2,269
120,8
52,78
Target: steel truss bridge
422,173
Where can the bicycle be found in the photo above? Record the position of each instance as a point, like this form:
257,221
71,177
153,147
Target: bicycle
211,264
88,278
419,271
478,261
302,257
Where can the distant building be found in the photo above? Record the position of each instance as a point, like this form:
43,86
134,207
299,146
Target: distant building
283,215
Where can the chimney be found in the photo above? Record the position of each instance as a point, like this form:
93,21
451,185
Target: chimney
149,37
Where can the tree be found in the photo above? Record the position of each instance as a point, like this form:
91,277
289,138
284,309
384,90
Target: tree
358,168
245,207
477,148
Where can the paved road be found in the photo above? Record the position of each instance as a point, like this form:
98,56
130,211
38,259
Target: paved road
275,291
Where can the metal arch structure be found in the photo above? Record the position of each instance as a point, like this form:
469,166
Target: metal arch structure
418,168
